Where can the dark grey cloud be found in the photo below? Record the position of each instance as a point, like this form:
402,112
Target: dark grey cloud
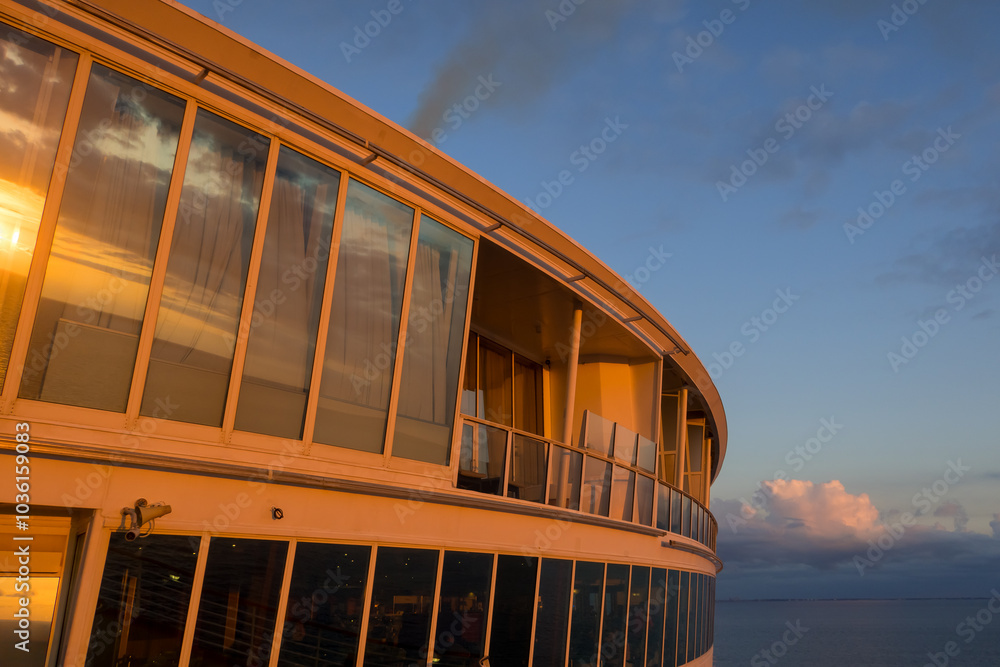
526,46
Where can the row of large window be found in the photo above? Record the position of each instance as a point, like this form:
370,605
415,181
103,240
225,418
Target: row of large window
189,272
389,606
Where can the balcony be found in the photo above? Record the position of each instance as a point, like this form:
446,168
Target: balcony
611,474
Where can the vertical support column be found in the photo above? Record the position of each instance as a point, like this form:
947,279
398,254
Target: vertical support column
682,443
707,471
571,370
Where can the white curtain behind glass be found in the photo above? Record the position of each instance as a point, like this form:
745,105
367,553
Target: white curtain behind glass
360,319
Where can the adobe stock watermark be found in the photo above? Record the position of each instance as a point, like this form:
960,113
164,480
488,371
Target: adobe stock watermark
364,34
695,46
655,260
968,630
581,158
752,329
958,297
562,12
898,17
914,168
785,127
797,457
923,502
456,115
776,651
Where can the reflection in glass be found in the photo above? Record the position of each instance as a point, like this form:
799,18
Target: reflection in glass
86,332
682,616
564,478
644,499
595,497
514,597
527,470
675,511
470,390
657,595
554,588
239,602
622,494
325,604
616,600
37,79
432,354
585,628
399,620
670,610
286,311
686,516
143,603
199,315
364,321
638,615
646,458
663,507
599,433
482,458
625,447
460,637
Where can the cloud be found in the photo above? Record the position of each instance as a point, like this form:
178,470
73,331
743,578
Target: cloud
850,548
527,46
954,510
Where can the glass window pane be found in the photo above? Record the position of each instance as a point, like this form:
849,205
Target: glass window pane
469,383
86,332
670,633
432,351
686,516
595,497
143,603
527,396
625,445
654,639
286,312
514,597
682,616
638,615
587,598
554,589
325,604
460,638
662,506
482,459
495,383
616,600
646,458
644,499
239,602
675,511
622,494
37,77
47,546
364,320
564,478
527,470
399,616
599,434
199,315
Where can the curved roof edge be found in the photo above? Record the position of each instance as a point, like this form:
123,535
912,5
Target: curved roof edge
230,56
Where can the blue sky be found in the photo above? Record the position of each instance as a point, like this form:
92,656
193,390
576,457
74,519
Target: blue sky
749,135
